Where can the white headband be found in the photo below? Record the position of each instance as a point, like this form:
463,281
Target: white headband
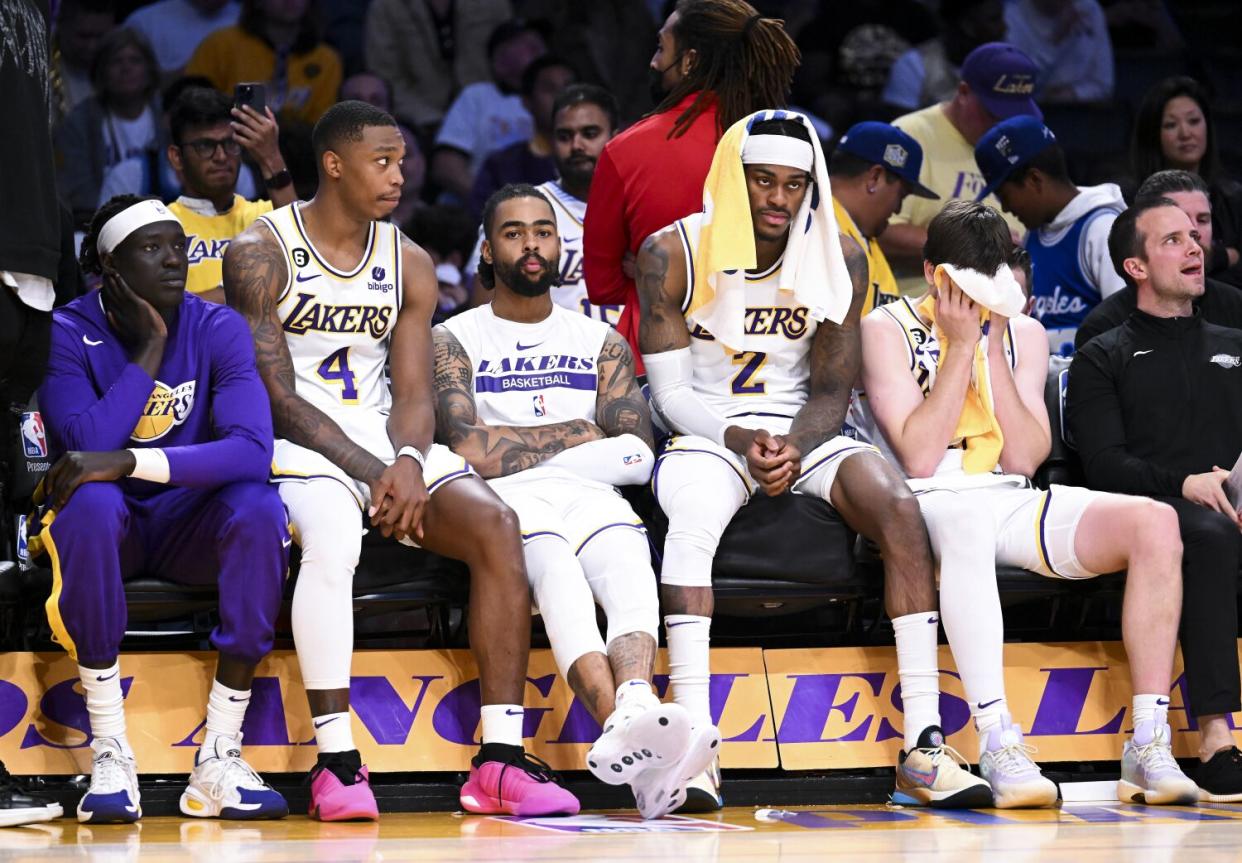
778,150
124,223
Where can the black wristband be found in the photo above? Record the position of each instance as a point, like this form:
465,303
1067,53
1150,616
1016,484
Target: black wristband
278,180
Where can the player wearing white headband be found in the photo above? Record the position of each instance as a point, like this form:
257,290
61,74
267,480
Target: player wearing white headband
163,438
955,383
751,371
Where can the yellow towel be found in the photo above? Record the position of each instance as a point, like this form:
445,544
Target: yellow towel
814,267
977,426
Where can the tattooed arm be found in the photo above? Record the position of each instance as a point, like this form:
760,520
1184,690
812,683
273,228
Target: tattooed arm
836,358
255,273
620,407
493,451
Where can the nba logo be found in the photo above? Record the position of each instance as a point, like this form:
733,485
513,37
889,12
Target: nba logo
540,410
23,551
34,442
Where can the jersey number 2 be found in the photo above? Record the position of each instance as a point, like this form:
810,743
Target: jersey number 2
335,368
744,383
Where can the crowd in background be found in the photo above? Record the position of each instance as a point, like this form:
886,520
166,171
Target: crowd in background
1129,86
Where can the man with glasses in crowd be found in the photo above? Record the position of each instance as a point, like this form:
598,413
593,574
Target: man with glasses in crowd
209,135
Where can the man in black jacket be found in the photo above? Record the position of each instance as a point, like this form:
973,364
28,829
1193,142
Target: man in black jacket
1155,407
1220,304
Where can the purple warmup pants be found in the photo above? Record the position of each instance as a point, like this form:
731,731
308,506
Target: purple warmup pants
236,536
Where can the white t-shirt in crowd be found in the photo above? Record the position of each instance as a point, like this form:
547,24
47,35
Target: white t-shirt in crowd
481,120
126,138
175,27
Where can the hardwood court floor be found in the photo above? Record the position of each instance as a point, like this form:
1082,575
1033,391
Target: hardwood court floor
1078,833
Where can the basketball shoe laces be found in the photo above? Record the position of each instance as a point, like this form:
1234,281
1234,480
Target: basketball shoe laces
110,773
1015,758
232,773
937,753
533,766
1157,755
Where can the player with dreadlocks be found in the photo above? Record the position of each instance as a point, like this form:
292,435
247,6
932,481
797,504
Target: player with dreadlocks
716,62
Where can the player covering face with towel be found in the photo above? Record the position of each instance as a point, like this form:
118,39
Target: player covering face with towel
955,384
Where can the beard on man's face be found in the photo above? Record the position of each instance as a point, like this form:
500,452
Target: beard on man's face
656,87
577,170
527,284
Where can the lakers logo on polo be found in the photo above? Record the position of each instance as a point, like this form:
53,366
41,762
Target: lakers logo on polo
167,408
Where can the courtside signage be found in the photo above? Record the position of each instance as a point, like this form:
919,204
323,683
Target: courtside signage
413,710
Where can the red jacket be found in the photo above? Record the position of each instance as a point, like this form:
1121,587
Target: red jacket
644,181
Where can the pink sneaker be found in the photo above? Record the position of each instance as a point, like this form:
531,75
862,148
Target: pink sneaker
524,786
334,800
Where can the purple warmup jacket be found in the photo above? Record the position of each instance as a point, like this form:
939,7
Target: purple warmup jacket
207,409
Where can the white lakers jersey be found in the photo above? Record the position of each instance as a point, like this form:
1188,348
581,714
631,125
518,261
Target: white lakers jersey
531,374
768,375
337,324
572,291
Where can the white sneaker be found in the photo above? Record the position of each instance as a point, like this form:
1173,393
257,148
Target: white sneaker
1006,764
1149,773
638,738
224,786
113,797
661,790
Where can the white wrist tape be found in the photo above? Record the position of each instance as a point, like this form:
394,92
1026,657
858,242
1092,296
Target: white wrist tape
414,453
671,377
150,464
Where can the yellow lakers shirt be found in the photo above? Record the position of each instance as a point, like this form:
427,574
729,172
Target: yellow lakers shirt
208,233
881,285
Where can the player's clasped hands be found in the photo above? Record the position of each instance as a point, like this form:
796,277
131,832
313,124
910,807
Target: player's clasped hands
399,499
774,462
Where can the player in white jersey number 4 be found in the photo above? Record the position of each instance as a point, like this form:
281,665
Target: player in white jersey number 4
543,402
327,314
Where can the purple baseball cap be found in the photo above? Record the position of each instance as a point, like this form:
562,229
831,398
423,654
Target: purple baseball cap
1003,78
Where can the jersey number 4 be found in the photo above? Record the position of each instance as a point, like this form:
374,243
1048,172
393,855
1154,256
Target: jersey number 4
744,382
335,368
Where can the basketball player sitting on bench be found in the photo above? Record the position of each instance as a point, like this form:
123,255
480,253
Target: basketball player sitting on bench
543,402
955,384
749,333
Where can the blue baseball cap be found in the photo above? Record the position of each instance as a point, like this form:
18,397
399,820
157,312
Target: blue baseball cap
884,144
1003,77
1008,146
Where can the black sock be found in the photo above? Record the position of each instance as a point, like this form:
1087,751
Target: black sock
502,752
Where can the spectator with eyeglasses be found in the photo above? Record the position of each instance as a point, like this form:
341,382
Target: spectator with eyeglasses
209,136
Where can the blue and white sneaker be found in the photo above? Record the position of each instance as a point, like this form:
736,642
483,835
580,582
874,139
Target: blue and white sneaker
224,786
1149,773
113,797
1005,762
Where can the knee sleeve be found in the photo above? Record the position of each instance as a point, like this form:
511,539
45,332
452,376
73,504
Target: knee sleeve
564,600
324,515
617,564
700,496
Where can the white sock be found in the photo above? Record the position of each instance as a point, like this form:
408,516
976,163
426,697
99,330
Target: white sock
334,732
992,716
105,704
226,710
689,664
502,723
636,692
918,670
1151,708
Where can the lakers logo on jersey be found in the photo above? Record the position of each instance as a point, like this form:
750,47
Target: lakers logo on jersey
167,408
310,314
